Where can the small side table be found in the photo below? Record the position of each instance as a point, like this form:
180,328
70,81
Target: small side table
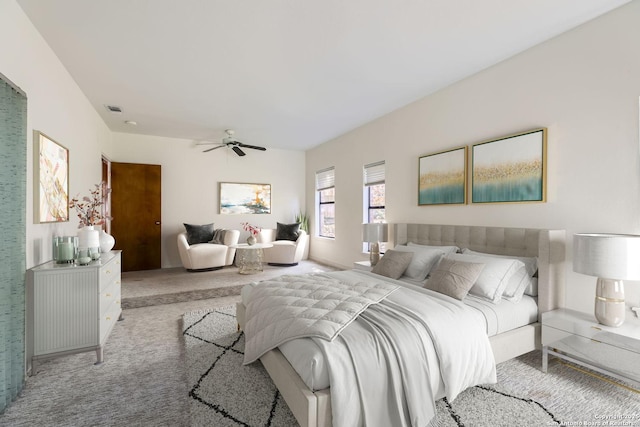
249,257
577,337
362,265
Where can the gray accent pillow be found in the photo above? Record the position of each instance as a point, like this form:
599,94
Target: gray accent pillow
454,278
218,236
199,233
393,264
288,231
494,277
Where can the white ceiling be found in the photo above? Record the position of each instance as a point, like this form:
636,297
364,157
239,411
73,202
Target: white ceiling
285,74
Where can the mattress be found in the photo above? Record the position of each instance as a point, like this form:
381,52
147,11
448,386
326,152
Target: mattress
308,361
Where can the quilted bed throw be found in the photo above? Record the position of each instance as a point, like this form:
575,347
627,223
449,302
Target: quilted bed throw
311,305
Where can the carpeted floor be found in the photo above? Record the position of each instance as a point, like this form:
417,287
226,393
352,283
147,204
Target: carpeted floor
143,380
225,393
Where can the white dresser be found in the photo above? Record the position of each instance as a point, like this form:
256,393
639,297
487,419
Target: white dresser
72,309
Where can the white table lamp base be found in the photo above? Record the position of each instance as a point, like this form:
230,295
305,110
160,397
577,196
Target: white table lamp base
609,306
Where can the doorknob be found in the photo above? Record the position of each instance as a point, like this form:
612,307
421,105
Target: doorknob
157,222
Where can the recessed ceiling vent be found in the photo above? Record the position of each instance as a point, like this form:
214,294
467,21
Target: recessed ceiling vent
114,109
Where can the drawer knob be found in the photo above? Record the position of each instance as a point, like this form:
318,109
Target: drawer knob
596,328
108,295
108,318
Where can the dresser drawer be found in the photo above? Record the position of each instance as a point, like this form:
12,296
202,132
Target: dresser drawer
109,296
108,319
108,276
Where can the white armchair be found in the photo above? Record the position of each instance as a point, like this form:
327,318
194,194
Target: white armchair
207,256
283,252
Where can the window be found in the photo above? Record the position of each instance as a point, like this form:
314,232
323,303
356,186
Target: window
374,200
326,197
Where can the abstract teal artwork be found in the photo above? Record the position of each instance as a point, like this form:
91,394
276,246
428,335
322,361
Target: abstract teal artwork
510,169
443,177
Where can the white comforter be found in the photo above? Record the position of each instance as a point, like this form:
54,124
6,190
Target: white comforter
308,305
377,365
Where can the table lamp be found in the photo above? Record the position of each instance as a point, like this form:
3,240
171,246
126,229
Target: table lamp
374,233
612,258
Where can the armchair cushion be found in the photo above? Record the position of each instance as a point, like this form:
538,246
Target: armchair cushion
218,236
199,233
288,231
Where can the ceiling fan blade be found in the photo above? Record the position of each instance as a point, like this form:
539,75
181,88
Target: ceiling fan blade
213,148
238,151
255,147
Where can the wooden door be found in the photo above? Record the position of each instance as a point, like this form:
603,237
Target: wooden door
136,212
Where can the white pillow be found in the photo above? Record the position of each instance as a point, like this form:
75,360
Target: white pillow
532,289
446,249
494,277
422,262
521,281
531,263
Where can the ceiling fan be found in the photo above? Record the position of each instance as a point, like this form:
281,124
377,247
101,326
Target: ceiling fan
235,145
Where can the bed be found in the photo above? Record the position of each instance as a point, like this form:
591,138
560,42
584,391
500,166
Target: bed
312,406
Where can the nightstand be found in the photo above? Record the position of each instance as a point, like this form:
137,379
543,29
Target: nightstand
362,265
578,338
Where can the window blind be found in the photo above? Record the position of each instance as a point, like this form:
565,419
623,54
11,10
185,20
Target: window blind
374,173
325,179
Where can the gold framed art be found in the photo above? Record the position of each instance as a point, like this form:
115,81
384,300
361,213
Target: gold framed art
51,180
442,178
510,169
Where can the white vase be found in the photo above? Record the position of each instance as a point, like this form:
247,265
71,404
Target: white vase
107,241
251,240
88,239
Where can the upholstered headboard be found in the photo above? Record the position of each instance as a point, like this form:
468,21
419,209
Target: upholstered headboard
547,245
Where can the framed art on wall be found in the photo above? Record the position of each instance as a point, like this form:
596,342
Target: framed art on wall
51,179
510,169
442,178
244,198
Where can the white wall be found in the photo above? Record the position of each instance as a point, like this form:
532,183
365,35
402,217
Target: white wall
190,181
57,107
583,86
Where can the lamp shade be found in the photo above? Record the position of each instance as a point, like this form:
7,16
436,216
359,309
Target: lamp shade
610,256
375,232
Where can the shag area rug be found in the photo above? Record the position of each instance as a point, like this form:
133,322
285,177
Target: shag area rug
223,392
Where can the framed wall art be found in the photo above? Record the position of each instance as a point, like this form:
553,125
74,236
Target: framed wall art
442,178
510,169
244,198
51,180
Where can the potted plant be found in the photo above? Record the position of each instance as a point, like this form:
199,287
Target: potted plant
253,232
